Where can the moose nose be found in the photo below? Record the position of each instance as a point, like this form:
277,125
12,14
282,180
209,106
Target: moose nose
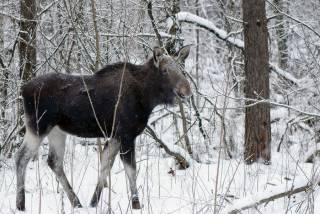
184,90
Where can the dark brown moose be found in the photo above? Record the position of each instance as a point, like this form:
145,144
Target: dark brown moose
114,103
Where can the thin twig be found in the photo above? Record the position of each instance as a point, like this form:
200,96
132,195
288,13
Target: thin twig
154,23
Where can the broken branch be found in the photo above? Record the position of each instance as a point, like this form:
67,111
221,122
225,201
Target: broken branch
180,159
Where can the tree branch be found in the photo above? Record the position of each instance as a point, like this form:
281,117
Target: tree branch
154,23
291,17
223,35
210,26
288,193
180,159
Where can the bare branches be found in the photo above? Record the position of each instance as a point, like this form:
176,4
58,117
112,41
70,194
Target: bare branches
147,35
180,159
1,63
223,35
197,114
259,101
286,75
293,18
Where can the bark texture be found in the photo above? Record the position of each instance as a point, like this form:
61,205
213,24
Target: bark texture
3,76
257,117
27,39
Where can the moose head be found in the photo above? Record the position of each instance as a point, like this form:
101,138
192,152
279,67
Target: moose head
170,73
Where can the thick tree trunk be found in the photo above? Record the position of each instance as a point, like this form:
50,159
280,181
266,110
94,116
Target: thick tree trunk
257,118
27,39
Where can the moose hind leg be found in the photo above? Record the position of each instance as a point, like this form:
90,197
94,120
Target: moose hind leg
127,154
109,154
55,161
27,150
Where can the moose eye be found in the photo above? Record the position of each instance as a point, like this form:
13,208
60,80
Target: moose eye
165,71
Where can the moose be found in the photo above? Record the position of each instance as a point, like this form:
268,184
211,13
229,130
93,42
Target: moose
114,103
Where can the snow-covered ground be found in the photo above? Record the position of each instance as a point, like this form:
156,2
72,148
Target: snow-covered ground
188,191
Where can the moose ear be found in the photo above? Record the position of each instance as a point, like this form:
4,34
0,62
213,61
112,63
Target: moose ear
183,53
157,53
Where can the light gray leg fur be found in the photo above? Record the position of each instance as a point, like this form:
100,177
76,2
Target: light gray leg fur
27,150
57,140
108,156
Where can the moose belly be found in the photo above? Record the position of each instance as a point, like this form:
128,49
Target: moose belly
84,128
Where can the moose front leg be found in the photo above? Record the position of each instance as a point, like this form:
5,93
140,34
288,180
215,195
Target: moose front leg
127,154
109,154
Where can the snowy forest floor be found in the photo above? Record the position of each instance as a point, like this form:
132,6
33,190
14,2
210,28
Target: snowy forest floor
188,191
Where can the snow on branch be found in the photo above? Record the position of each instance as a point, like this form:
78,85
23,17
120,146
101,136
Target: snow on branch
284,74
254,201
223,35
210,26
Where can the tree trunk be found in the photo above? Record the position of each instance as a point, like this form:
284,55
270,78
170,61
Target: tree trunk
173,8
3,77
281,36
3,88
97,37
197,5
257,117
27,39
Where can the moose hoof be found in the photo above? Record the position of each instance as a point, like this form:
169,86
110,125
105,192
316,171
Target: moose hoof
136,204
93,203
21,207
77,204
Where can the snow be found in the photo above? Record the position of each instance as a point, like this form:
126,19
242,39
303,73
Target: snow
159,191
189,191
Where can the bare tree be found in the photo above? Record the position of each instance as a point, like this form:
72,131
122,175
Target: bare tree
97,37
27,39
3,88
257,117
